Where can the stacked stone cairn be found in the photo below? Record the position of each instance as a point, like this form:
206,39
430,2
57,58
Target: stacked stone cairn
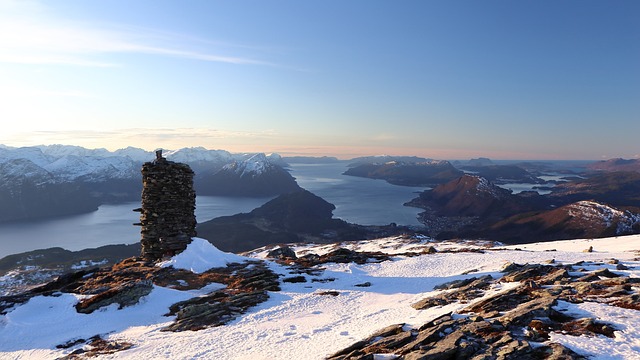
167,216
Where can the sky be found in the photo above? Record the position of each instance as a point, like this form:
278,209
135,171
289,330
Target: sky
437,78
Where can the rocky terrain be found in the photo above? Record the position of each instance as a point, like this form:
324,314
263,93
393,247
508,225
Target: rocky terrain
513,324
392,298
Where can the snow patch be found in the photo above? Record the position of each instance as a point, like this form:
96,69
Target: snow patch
200,256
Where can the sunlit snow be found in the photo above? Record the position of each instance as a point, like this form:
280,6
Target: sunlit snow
298,323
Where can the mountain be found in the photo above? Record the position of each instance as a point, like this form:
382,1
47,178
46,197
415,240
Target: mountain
619,188
256,176
407,173
298,216
583,219
64,179
381,159
482,161
469,203
503,174
473,207
615,165
310,159
28,191
391,298
472,195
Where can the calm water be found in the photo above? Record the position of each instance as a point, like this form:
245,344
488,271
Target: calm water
357,200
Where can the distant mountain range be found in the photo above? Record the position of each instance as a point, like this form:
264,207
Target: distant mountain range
55,180
616,165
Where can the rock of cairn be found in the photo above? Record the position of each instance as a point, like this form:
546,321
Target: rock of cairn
167,215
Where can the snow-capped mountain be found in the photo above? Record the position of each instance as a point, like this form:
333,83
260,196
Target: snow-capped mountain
93,169
201,159
14,171
103,176
595,214
254,176
70,163
255,165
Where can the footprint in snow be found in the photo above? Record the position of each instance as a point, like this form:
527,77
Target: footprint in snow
327,328
293,329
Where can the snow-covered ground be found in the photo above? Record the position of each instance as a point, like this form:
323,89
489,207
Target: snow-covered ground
299,323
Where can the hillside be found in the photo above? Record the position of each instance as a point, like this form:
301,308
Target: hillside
616,165
256,176
619,188
381,299
57,180
473,207
298,216
407,173
583,219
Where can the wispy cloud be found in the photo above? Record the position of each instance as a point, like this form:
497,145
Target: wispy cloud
30,34
148,138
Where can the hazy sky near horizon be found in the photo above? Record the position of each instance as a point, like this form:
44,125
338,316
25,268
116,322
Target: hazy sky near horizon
443,79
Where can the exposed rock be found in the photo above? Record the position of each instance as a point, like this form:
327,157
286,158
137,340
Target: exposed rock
295,279
493,327
126,294
283,252
342,255
94,347
465,290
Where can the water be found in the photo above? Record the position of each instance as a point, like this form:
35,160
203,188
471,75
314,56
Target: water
358,200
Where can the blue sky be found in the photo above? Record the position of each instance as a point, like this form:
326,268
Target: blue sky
442,79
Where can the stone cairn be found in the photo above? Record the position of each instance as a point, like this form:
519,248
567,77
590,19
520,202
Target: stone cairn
167,215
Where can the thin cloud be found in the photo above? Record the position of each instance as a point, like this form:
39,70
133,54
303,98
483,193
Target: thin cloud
31,35
149,138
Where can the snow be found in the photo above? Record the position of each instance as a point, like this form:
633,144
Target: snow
299,323
625,344
201,256
56,163
597,212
